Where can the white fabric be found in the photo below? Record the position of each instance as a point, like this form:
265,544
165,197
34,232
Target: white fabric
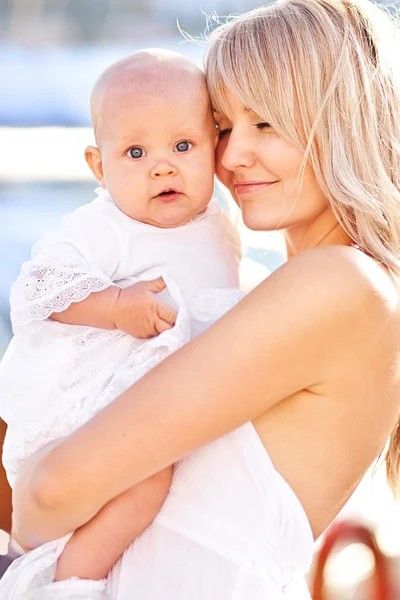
54,377
230,529
98,244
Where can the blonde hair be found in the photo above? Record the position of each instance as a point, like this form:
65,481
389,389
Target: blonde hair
324,74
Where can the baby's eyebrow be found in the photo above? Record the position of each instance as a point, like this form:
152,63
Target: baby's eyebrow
187,132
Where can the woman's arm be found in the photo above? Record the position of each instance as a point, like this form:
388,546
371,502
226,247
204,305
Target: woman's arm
280,339
5,490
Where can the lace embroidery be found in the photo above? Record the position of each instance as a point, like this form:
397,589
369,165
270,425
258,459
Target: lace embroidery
42,289
71,373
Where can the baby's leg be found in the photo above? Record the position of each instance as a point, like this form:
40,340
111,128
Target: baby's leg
96,546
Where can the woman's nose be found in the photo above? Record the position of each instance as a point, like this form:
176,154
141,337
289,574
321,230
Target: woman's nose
235,152
163,169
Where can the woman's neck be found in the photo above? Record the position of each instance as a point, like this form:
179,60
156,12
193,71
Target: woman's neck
323,231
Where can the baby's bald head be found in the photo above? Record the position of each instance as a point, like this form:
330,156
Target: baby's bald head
147,72
155,132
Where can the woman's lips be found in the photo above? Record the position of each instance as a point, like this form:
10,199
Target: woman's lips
243,188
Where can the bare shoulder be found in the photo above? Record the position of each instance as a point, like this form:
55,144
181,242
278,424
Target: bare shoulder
338,279
328,301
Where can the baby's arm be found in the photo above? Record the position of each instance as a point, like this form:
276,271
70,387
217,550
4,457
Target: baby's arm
134,309
70,279
96,546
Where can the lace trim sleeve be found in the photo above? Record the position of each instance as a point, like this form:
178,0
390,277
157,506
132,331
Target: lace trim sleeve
81,257
51,286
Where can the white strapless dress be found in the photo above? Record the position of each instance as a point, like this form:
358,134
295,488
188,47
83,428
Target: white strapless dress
230,529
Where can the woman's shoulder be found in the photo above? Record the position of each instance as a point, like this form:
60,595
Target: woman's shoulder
341,275
332,295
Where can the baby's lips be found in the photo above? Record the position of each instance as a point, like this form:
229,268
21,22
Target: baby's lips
167,191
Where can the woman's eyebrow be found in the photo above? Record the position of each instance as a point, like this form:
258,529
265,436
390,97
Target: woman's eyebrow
220,116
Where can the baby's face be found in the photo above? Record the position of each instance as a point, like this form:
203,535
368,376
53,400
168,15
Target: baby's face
157,153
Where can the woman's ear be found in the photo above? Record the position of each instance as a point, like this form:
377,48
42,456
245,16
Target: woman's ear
93,159
216,136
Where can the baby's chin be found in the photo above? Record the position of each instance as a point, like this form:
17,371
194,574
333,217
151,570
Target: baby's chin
170,217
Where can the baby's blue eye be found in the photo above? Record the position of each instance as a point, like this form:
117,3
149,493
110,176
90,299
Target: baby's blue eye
136,152
183,146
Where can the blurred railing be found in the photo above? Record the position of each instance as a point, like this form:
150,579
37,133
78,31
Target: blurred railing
381,584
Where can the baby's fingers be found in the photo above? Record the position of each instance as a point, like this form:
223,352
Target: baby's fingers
162,326
156,285
166,313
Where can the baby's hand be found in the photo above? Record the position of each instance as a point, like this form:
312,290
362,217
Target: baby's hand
139,312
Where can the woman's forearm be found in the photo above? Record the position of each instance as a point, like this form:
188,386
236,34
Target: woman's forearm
160,419
271,345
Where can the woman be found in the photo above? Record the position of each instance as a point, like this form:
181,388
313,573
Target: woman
287,400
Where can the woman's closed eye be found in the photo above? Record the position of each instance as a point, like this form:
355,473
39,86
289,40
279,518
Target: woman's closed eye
223,132
263,126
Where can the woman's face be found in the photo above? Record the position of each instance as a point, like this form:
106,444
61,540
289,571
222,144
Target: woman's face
262,171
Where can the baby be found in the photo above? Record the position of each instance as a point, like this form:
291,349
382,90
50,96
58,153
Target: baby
125,281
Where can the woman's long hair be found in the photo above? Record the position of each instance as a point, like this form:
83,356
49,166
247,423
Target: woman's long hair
326,75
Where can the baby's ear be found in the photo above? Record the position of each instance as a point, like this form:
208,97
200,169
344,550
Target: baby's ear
94,160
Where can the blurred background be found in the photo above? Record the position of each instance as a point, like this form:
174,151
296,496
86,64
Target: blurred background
51,52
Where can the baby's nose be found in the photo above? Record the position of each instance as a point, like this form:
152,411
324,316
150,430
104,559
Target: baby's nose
162,169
